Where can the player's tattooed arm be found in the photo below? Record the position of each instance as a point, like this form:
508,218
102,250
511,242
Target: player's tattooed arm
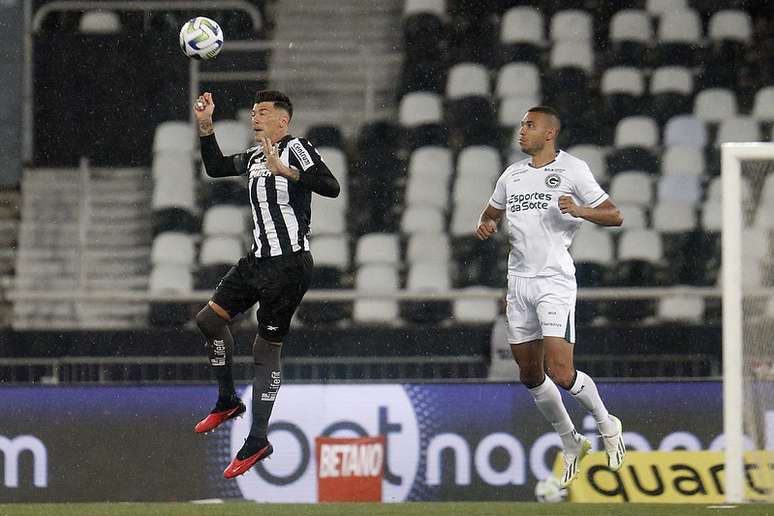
205,127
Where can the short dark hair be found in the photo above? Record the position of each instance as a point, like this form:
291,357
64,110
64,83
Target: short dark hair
548,110
279,99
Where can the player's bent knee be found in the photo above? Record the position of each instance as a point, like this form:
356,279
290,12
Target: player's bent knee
209,322
563,377
531,380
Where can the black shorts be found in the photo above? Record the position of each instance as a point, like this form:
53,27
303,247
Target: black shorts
277,283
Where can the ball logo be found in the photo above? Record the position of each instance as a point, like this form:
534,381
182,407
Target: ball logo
553,180
304,412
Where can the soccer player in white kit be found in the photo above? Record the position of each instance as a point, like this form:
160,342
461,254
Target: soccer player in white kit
545,199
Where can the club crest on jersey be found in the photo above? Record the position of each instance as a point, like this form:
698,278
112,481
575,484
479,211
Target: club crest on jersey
553,180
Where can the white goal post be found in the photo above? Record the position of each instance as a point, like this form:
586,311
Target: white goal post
732,156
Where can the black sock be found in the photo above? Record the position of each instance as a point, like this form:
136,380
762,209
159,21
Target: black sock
220,352
267,381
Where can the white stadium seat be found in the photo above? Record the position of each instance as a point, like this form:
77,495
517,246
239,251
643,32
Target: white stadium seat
328,216
518,80
421,219
636,131
631,25
763,107
172,164
420,107
572,25
632,187
640,244
224,220
594,156
671,79
682,160
233,136
99,22
423,190
428,247
377,248
680,26
175,136
572,54
730,24
170,277
738,129
634,215
594,245
221,250
436,7
428,276
674,217
480,161
465,215
432,161
680,308
680,188
623,79
373,279
173,247
331,251
715,105
685,130
474,310
513,109
522,25
661,7
466,80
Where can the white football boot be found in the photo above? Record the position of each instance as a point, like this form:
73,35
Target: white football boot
614,446
572,459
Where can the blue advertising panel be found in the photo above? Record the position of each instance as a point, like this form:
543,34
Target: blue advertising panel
443,441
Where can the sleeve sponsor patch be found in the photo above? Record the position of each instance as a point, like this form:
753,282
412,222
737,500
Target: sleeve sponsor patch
304,158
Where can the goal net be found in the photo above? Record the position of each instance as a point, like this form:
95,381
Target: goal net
747,181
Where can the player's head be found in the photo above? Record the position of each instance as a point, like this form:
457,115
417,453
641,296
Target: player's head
539,128
272,111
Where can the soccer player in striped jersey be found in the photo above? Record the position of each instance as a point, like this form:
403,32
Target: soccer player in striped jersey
283,172
544,199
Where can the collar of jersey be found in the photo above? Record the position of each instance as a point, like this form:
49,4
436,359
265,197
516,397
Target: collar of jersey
530,165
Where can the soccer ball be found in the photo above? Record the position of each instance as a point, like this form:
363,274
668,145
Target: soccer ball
549,490
201,38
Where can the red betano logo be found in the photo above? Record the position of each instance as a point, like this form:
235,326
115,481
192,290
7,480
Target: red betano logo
350,469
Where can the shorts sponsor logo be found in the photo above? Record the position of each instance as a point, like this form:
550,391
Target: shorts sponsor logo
553,180
220,353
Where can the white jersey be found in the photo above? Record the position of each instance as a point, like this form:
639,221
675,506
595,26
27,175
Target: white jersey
540,234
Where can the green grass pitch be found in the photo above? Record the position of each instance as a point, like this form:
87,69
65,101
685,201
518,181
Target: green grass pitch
403,509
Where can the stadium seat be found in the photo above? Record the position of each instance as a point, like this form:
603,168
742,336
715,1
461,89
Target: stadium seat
513,109
472,188
671,90
424,36
592,252
635,216
216,257
594,157
661,7
715,105
635,140
432,161
420,107
233,136
467,80
169,278
336,161
685,130
482,162
173,248
328,216
682,188
572,54
428,247
676,221
422,74
422,219
640,256
436,7
518,80
632,187
521,35
681,309
172,164
679,38
472,121
99,22
174,136
630,35
173,203
682,160
763,106
738,129
730,25
424,190
377,248
474,310
372,279
331,261
427,277
572,25
623,89
224,220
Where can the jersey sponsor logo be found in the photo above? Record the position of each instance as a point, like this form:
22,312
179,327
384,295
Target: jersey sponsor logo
529,201
553,180
551,169
257,166
301,153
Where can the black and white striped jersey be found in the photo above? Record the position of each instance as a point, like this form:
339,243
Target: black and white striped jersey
281,208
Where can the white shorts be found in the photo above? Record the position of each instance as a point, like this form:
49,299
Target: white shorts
543,306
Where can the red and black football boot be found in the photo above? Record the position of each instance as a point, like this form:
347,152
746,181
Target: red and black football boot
254,450
219,414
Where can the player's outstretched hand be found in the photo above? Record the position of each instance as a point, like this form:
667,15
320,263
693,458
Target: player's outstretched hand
204,106
567,205
273,162
486,229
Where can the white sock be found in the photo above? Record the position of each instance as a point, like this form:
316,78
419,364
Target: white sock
585,391
549,403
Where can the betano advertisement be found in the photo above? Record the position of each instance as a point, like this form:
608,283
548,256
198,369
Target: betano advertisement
441,441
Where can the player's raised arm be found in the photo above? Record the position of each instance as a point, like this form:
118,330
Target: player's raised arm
310,171
488,221
215,163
